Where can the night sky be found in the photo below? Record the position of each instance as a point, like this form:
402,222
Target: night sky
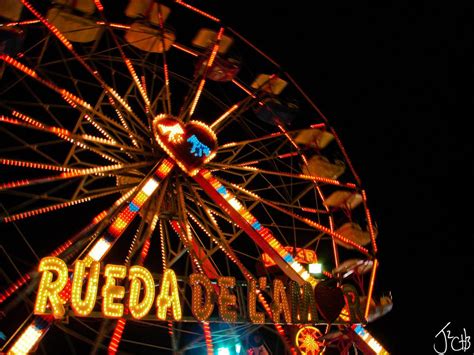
388,77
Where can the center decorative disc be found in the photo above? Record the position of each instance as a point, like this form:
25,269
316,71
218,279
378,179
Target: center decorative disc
190,145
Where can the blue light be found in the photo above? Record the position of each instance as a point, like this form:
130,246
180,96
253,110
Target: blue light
198,148
133,207
359,330
238,347
256,225
222,190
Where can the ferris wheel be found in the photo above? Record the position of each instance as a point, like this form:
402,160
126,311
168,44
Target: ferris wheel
150,134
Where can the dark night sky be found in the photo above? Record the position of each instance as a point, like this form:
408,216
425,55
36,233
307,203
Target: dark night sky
388,76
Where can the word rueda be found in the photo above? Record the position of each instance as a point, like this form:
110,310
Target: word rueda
291,304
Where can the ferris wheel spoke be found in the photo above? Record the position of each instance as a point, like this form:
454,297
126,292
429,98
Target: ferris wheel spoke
215,227
226,114
189,239
165,62
189,110
212,229
262,236
143,246
221,241
238,109
185,49
203,266
41,324
127,62
71,99
62,134
51,208
269,136
72,173
94,73
207,267
195,9
279,157
77,140
307,221
243,88
24,279
290,175
100,127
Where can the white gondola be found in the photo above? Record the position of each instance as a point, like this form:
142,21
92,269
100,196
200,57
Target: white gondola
85,6
354,233
344,199
273,85
358,266
75,28
384,306
320,166
148,38
147,9
377,309
11,9
206,38
314,138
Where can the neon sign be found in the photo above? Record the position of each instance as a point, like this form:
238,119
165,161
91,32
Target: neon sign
191,145
174,132
198,148
303,256
89,282
369,340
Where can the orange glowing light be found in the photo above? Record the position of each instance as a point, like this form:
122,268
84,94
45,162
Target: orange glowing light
307,340
174,132
303,256
195,9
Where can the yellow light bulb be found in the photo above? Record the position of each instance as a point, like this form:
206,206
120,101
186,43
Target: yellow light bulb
303,303
201,310
227,301
49,289
83,307
255,317
110,291
280,302
169,296
139,276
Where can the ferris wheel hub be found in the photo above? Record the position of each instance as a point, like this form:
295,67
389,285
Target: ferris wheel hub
190,144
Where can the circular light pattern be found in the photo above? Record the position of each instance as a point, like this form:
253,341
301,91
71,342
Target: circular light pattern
307,340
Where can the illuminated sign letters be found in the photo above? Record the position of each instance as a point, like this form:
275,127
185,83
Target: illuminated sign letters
121,291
